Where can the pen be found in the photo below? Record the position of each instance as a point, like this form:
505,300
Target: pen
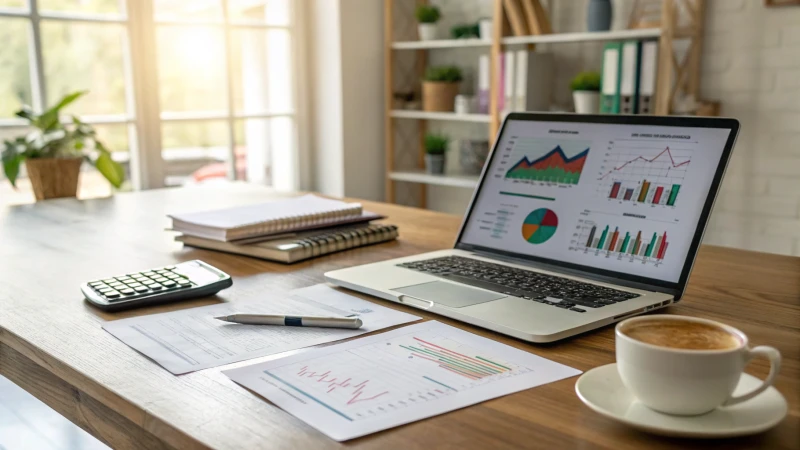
293,321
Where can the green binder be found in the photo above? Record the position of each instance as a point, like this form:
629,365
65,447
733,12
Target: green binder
610,79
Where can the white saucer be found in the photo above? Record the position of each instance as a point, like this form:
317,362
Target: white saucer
602,390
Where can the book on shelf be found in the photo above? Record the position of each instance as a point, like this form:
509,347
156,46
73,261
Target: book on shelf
295,214
300,246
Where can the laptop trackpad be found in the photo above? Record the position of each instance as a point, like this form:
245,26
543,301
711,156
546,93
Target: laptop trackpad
449,294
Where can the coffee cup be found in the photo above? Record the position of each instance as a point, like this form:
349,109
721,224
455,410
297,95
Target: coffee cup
684,365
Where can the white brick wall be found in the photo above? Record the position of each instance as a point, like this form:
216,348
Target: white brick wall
751,62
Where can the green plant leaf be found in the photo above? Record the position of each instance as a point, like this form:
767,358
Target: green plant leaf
11,162
586,81
427,14
446,74
49,119
27,113
110,169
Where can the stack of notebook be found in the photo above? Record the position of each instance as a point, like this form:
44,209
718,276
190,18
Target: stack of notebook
286,230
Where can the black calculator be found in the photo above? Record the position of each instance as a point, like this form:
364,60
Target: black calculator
184,281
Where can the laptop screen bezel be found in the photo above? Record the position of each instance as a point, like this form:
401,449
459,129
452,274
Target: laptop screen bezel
591,272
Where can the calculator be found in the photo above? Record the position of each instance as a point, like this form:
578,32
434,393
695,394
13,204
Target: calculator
183,281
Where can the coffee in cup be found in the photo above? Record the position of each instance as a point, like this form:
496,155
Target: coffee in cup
685,365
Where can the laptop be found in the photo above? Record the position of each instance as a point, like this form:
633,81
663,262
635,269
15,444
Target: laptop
577,221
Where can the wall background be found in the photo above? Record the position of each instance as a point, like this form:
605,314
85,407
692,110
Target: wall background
751,62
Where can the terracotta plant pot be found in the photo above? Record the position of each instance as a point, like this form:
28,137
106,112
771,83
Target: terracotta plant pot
438,96
54,177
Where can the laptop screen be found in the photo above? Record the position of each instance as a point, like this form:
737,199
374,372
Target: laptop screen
618,197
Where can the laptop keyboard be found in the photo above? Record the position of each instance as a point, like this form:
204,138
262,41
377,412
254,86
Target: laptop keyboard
547,289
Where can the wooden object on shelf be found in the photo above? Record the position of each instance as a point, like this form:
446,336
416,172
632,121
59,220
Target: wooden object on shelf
645,14
516,17
438,96
538,22
679,78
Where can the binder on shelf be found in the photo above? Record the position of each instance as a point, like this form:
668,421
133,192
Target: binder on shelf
521,81
647,77
539,80
509,100
629,77
610,79
483,84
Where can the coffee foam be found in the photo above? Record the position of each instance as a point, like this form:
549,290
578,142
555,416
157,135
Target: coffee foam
682,334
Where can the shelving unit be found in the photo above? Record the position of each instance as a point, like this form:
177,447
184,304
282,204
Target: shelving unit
673,76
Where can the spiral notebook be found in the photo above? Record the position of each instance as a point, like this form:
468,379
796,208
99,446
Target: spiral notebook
281,216
302,246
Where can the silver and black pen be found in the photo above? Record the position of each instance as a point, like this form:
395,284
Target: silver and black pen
293,321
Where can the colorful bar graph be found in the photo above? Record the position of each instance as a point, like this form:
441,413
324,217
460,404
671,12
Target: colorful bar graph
591,236
470,367
603,238
673,194
657,195
615,189
614,242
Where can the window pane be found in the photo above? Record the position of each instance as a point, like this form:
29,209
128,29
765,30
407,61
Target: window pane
282,152
187,10
15,84
262,69
194,151
272,12
253,150
13,3
191,69
115,7
85,56
114,137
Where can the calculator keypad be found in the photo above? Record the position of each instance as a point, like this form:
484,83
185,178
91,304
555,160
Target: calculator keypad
134,285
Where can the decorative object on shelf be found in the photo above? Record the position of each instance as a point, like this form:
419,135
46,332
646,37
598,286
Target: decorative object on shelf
404,100
53,152
586,92
485,29
645,14
440,87
598,15
464,104
427,16
435,150
472,156
465,31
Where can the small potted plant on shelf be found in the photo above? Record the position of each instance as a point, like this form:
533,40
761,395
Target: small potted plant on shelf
440,87
435,148
427,16
586,92
53,152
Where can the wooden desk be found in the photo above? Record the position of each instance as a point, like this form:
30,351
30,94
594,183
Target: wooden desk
51,343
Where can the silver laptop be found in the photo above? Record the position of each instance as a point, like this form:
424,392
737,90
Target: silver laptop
578,221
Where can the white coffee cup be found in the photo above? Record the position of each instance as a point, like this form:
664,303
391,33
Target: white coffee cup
687,381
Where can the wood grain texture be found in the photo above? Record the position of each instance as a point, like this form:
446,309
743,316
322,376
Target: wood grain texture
52,344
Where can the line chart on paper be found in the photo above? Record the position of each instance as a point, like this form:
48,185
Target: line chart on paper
383,377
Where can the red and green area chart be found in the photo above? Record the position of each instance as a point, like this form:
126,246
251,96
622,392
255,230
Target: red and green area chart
539,226
548,161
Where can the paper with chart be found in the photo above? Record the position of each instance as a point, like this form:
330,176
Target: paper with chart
191,339
370,384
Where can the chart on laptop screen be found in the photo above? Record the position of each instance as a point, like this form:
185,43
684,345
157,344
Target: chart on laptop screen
624,198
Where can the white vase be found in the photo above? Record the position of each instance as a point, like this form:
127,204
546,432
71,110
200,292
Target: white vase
427,31
485,29
586,102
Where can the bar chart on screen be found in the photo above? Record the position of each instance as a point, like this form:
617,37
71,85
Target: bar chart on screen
644,174
381,381
608,240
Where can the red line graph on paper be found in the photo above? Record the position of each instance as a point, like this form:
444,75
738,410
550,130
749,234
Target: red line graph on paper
333,384
640,158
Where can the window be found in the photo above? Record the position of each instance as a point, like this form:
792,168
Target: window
182,91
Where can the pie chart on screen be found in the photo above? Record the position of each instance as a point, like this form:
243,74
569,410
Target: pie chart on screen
539,226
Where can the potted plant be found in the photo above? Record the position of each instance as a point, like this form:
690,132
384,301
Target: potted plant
53,152
440,87
435,148
586,92
427,16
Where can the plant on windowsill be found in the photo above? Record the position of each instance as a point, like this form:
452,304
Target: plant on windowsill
440,87
427,16
586,92
53,152
435,148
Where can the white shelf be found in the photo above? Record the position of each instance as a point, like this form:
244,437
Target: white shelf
419,176
441,43
426,115
616,35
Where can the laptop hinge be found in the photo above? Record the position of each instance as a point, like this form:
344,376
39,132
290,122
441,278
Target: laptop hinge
578,273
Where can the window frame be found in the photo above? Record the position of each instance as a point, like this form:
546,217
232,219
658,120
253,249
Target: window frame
143,116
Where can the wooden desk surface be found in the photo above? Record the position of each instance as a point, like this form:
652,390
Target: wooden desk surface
52,344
